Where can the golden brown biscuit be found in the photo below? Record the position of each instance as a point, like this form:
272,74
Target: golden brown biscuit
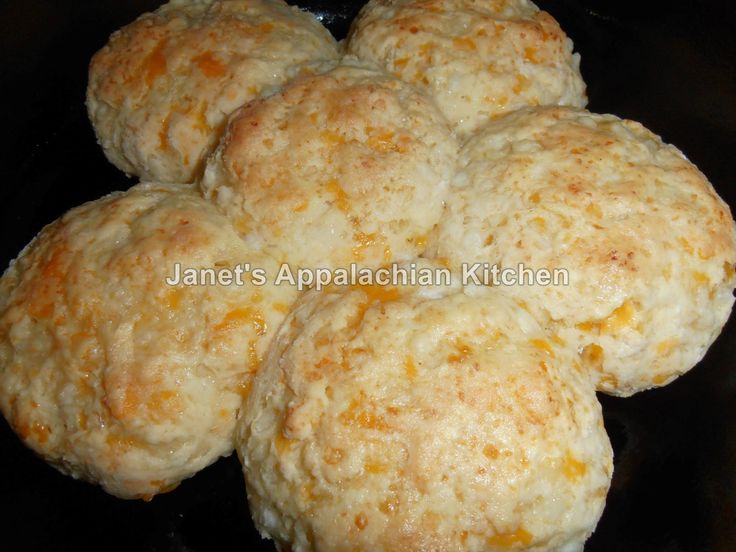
421,419
648,245
160,91
350,166
106,370
477,58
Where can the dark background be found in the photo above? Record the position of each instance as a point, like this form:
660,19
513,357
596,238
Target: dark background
670,65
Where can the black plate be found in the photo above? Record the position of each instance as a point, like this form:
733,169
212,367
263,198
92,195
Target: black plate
670,65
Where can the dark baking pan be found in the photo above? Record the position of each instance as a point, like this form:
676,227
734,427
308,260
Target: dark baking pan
670,65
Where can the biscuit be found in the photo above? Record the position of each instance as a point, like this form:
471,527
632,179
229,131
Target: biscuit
350,166
160,91
108,372
415,419
648,246
477,59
